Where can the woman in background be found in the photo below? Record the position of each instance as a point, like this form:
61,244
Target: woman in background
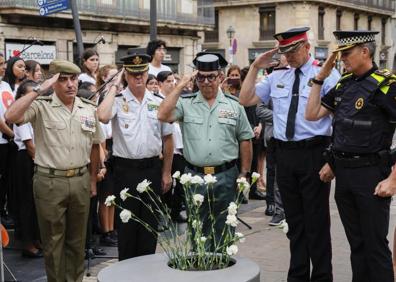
89,66
33,71
152,84
15,72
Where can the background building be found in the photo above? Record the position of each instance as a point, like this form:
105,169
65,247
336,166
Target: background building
123,24
255,22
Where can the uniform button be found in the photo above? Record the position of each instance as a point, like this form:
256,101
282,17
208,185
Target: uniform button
210,126
210,139
210,154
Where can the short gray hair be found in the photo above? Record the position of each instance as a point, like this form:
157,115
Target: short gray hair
371,46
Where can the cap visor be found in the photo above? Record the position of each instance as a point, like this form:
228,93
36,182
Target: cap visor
345,47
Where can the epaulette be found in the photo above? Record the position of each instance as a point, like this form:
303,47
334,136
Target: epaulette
118,95
232,97
281,68
88,101
385,73
45,98
190,95
158,95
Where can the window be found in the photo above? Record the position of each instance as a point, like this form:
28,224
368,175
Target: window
213,35
267,22
356,22
369,21
338,19
383,31
321,23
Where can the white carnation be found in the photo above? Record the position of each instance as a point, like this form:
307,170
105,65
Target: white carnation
110,201
255,176
203,239
241,238
124,194
232,250
196,179
210,179
285,228
143,186
125,215
198,199
185,178
176,174
243,184
232,208
232,220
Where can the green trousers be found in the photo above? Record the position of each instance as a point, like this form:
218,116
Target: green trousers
62,205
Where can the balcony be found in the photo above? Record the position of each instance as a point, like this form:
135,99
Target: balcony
379,6
187,12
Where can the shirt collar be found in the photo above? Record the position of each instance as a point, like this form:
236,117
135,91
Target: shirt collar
220,97
369,72
306,67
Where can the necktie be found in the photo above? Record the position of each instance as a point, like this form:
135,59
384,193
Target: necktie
291,117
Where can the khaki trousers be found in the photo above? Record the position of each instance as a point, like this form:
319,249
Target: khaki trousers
62,205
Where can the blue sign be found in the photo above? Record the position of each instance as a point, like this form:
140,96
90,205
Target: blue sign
48,7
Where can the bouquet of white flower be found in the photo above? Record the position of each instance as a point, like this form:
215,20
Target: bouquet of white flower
192,249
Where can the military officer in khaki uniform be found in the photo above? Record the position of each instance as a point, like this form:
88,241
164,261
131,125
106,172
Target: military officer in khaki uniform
215,132
67,134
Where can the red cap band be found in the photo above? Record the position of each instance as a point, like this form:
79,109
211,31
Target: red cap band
286,42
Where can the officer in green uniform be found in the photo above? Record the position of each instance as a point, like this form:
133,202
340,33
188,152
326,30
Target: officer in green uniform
67,135
364,107
215,130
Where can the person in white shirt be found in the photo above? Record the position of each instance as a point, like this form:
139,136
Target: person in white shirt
26,224
89,66
157,50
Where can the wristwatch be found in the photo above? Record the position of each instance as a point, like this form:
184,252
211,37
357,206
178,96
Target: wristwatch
319,82
37,88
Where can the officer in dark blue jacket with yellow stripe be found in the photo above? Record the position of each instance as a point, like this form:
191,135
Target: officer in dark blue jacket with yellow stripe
364,107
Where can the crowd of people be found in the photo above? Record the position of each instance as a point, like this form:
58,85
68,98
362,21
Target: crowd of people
74,136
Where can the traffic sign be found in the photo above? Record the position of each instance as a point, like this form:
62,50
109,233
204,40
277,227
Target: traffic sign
48,7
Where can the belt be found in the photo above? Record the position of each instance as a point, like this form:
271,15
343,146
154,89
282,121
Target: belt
59,172
212,169
352,160
305,143
136,163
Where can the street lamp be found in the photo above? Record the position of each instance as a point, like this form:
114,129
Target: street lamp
230,33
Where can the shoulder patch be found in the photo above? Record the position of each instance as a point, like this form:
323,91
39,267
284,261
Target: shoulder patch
88,101
232,97
158,95
118,95
281,68
44,98
191,95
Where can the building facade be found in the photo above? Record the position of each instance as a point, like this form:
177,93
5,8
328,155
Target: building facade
122,24
255,23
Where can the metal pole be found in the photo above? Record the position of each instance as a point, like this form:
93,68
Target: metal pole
77,28
153,19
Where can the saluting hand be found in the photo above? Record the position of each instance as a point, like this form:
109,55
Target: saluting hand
47,84
327,67
265,60
187,78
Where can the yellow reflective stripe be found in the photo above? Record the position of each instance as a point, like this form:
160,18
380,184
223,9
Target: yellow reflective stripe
377,77
385,89
338,85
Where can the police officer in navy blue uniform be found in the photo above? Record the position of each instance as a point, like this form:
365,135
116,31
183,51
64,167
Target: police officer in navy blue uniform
364,107
299,146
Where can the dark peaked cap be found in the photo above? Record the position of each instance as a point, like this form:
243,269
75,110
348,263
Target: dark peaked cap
291,39
351,38
136,63
208,61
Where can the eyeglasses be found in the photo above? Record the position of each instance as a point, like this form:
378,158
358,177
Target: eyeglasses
211,77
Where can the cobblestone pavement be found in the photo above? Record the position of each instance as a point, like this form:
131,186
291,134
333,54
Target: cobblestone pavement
267,246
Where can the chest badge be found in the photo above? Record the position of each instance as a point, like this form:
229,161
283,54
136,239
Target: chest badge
359,103
125,106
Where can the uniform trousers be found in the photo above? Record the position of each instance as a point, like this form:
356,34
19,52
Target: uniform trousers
223,192
306,203
26,224
62,205
366,220
174,197
134,239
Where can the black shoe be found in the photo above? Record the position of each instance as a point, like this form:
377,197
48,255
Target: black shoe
98,251
114,235
30,254
257,195
277,219
270,210
179,218
107,240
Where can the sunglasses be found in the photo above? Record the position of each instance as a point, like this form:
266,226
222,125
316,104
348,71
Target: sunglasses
211,77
